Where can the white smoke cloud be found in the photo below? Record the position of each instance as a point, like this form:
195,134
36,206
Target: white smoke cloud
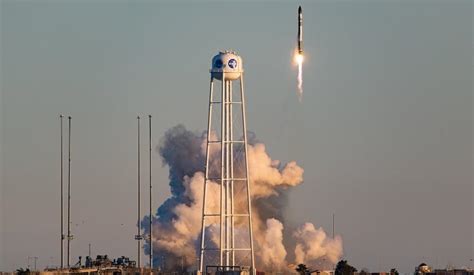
177,225
266,176
178,236
313,244
272,250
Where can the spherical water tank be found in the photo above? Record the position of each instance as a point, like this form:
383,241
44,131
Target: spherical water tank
228,63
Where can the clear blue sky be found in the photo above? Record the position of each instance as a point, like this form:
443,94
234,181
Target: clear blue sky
384,132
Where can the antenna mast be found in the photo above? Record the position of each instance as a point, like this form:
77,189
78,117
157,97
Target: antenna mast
62,192
151,217
138,237
69,236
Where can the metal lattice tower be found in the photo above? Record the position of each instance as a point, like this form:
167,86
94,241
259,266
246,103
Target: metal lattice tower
230,244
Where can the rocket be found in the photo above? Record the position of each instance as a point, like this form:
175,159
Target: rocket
300,30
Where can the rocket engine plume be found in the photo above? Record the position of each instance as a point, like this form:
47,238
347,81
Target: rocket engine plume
299,62
177,222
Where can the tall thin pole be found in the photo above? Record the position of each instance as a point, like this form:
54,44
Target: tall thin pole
69,236
35,258
62,191
138,237
333,225
151,218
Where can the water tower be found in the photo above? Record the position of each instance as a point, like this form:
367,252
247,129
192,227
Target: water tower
226,234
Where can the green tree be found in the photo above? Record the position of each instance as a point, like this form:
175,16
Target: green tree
302,269
394,271
343,268
22,271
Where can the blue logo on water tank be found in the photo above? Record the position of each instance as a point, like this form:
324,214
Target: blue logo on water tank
232,63
218,63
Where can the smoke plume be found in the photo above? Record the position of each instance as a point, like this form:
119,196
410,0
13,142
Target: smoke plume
313,244
177,223
298,59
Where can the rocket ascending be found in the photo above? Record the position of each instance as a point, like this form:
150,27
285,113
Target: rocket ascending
300,30
299,53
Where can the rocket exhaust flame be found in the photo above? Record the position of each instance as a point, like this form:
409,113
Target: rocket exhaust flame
299,58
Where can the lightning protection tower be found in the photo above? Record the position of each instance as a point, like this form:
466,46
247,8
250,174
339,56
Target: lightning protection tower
226,232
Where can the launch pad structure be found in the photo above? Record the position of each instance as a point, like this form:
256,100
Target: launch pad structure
227,166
